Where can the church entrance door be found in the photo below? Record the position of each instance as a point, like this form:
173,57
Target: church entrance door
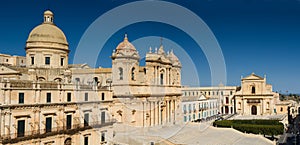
253,110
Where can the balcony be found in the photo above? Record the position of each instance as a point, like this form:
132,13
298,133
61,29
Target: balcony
42,133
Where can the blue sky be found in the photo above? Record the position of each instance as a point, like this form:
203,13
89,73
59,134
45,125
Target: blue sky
261,36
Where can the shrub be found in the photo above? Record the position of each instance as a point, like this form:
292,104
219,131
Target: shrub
266,127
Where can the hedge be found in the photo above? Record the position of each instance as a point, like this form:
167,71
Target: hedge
266,127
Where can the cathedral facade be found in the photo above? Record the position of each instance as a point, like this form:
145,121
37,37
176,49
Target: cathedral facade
147,95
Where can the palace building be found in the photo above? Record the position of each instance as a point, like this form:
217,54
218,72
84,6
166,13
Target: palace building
41,102
45,100
223,94
198,108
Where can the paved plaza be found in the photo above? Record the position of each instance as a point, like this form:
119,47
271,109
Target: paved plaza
191,134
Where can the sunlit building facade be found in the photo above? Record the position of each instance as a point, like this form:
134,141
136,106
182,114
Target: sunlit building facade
45,100
41,101
199,108
224,95
256,97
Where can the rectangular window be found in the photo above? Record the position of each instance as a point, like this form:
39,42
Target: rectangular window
21,98
48,124
69,121
86,97
69,97
62,61
21,128
103,97
32,60
184,119
86,119
47,60
86,140
102,117
48,97
103,137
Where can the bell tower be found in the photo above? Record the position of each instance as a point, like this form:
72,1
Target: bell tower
125,64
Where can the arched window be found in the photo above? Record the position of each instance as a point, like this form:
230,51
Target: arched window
161,78
68,141
120,73
132,73
253,90
58,80
96,80
77,80
41,79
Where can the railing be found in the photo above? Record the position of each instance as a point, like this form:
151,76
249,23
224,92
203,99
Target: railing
20,85
87,87
16,137
50,85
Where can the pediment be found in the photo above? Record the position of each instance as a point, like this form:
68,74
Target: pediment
164,59
85,66
7,71
202,97
253,77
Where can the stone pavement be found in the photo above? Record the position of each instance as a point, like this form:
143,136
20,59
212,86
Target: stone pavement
191,134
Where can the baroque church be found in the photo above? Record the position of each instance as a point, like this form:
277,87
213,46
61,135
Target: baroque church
256,97
45,100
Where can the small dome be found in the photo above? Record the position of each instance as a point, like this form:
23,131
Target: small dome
45,34
48,12
125,45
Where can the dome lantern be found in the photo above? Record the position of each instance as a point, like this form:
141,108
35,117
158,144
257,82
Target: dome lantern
48,17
